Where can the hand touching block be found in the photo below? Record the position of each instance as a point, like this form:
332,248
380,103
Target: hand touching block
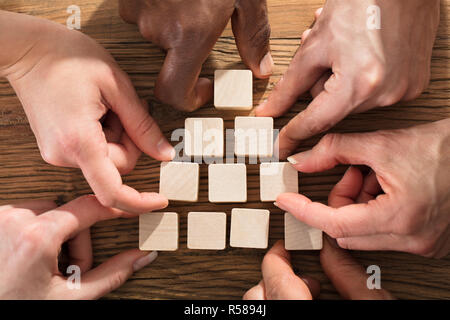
233,89
249,228
179,181
207,230
276,178
158,231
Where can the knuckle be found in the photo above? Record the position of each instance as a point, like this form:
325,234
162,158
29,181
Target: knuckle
371,78
164,94
413,93
32,237
116,280
328,142
145,126
261,35
425,247
395,96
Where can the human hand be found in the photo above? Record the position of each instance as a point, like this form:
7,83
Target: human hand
188,30
84,110
31,235
350,69
402,205
281,283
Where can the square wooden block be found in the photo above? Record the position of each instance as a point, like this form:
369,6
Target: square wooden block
276,178
300,236
249,228
207,230
158,231
179,181
227,182
253,136
233,89
204,137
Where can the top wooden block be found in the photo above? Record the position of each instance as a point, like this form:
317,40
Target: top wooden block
233,89
179,181
204,137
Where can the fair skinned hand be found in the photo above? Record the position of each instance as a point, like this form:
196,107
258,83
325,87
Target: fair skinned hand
82,108
29,260
281,283
349,68
402,205
187,30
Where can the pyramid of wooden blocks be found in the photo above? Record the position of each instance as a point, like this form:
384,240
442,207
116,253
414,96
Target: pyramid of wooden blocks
206,230
158,231
179,181
204,137
300,236
233,89
249,228
227,183
276,178
253,136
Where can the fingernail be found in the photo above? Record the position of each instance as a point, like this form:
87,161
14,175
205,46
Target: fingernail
292,160
302,156
266,65
144,261
166,149
276,204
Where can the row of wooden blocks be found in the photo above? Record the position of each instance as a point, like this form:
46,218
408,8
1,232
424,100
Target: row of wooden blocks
207,230
253,137
227,183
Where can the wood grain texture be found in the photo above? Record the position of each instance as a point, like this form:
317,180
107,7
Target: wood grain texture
179,181
253,137
158,231
229,273
276,178
249,228
300,236
227,183
233,89
207,230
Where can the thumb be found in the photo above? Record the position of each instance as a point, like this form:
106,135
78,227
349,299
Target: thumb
347,275
113,273
251,29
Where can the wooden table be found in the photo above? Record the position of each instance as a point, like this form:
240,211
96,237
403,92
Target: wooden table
203,274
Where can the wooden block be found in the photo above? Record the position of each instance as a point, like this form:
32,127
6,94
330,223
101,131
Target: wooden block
233,89
249,228
179,181
276,178
253,136
300,236
158,231
227,182
207,230
204,137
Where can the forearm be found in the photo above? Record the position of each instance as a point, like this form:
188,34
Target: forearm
18,37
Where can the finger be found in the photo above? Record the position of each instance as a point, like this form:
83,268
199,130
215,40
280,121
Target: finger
307,66
112,127
256,293
317,13
80,214
347,189
106,182
123,100
370,188
35,206
124,154
313,285
280,281
113,273
178,82
331,105
348,221
334,149
347,275
80,250
319,86
251,29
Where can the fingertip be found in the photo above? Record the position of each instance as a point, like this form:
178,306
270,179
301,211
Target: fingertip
266,66
312,284
204,90
144,261
166,152
318,12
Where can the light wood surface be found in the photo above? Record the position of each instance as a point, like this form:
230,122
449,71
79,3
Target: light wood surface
233,89
276,178
227,182
204,137
300,236
158,231
228,273
249,228
207,230
179,181
253,137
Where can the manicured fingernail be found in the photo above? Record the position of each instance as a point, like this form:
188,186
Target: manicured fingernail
266,65
144,261
292,160
166,149
302,156
276,204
